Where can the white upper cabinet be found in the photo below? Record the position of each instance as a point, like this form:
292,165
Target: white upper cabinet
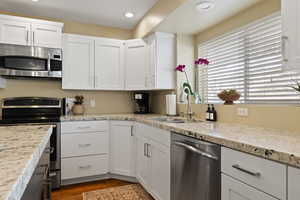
30,32
109,64
291,34
136,64
78,70
15,32
44,35
161,72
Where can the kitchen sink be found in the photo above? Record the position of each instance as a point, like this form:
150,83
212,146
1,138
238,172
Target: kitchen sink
173,120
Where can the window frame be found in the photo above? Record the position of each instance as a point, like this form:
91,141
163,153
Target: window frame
245,100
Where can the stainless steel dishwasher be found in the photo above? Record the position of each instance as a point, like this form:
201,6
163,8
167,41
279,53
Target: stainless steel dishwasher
195,170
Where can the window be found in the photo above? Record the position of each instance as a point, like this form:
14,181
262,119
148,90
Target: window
248,60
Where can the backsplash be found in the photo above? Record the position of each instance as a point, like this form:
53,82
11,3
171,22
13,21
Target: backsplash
270,116
106,102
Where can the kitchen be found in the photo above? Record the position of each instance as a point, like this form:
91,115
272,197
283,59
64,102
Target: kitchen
127,102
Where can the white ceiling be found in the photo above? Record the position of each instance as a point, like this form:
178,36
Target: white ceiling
101,12
187,20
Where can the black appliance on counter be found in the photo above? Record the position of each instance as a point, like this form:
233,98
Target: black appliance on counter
142,103
38,111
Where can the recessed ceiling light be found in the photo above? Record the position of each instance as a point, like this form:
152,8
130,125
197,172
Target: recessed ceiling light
35,0
204,5
129,15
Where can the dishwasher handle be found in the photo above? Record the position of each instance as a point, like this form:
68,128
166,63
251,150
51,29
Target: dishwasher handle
195,150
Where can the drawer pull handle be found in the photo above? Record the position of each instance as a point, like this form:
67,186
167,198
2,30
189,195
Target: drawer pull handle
84,145
238,167
85,167
83,127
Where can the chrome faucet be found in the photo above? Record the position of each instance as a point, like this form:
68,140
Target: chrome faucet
189,112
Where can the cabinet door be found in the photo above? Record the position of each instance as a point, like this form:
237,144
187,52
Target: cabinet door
235,190
78,67
142,162
161,73
151,75
44,35
15,32
293,183
160,171
291,38
136,64
121,148
109,64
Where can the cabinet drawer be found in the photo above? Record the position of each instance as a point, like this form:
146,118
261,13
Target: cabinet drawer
260,173
83,126
83,166
235,190
79,144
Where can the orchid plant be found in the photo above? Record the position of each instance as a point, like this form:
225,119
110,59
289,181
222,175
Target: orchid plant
186,85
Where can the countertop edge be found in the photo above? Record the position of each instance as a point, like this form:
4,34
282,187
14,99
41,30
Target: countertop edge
19,187
270,154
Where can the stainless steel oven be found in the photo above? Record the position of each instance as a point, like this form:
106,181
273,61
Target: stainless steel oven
26,61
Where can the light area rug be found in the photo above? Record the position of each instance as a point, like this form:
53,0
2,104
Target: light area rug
128,192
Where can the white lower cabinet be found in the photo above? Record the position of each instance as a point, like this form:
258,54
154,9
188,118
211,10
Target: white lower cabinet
122,148
236,190
85,166
84,149
253,178
79,144
153,168
293,183
142,161
160,171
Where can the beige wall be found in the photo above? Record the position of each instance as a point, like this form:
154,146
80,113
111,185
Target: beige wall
85,29
155,16
262,9
270,116
106,102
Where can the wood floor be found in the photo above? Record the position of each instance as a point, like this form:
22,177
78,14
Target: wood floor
74,192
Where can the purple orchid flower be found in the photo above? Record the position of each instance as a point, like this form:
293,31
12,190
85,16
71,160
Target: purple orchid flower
202,61
180,68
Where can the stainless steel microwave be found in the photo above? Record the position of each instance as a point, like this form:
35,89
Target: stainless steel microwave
29,61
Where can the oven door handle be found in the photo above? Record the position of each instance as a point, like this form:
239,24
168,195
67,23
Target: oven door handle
49,63
195,150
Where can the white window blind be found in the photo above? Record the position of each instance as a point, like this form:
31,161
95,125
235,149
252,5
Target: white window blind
248,60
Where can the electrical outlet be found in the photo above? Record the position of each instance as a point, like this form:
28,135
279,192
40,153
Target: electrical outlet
243,112
93,103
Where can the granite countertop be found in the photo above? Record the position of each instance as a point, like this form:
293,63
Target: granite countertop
273,144
20,150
